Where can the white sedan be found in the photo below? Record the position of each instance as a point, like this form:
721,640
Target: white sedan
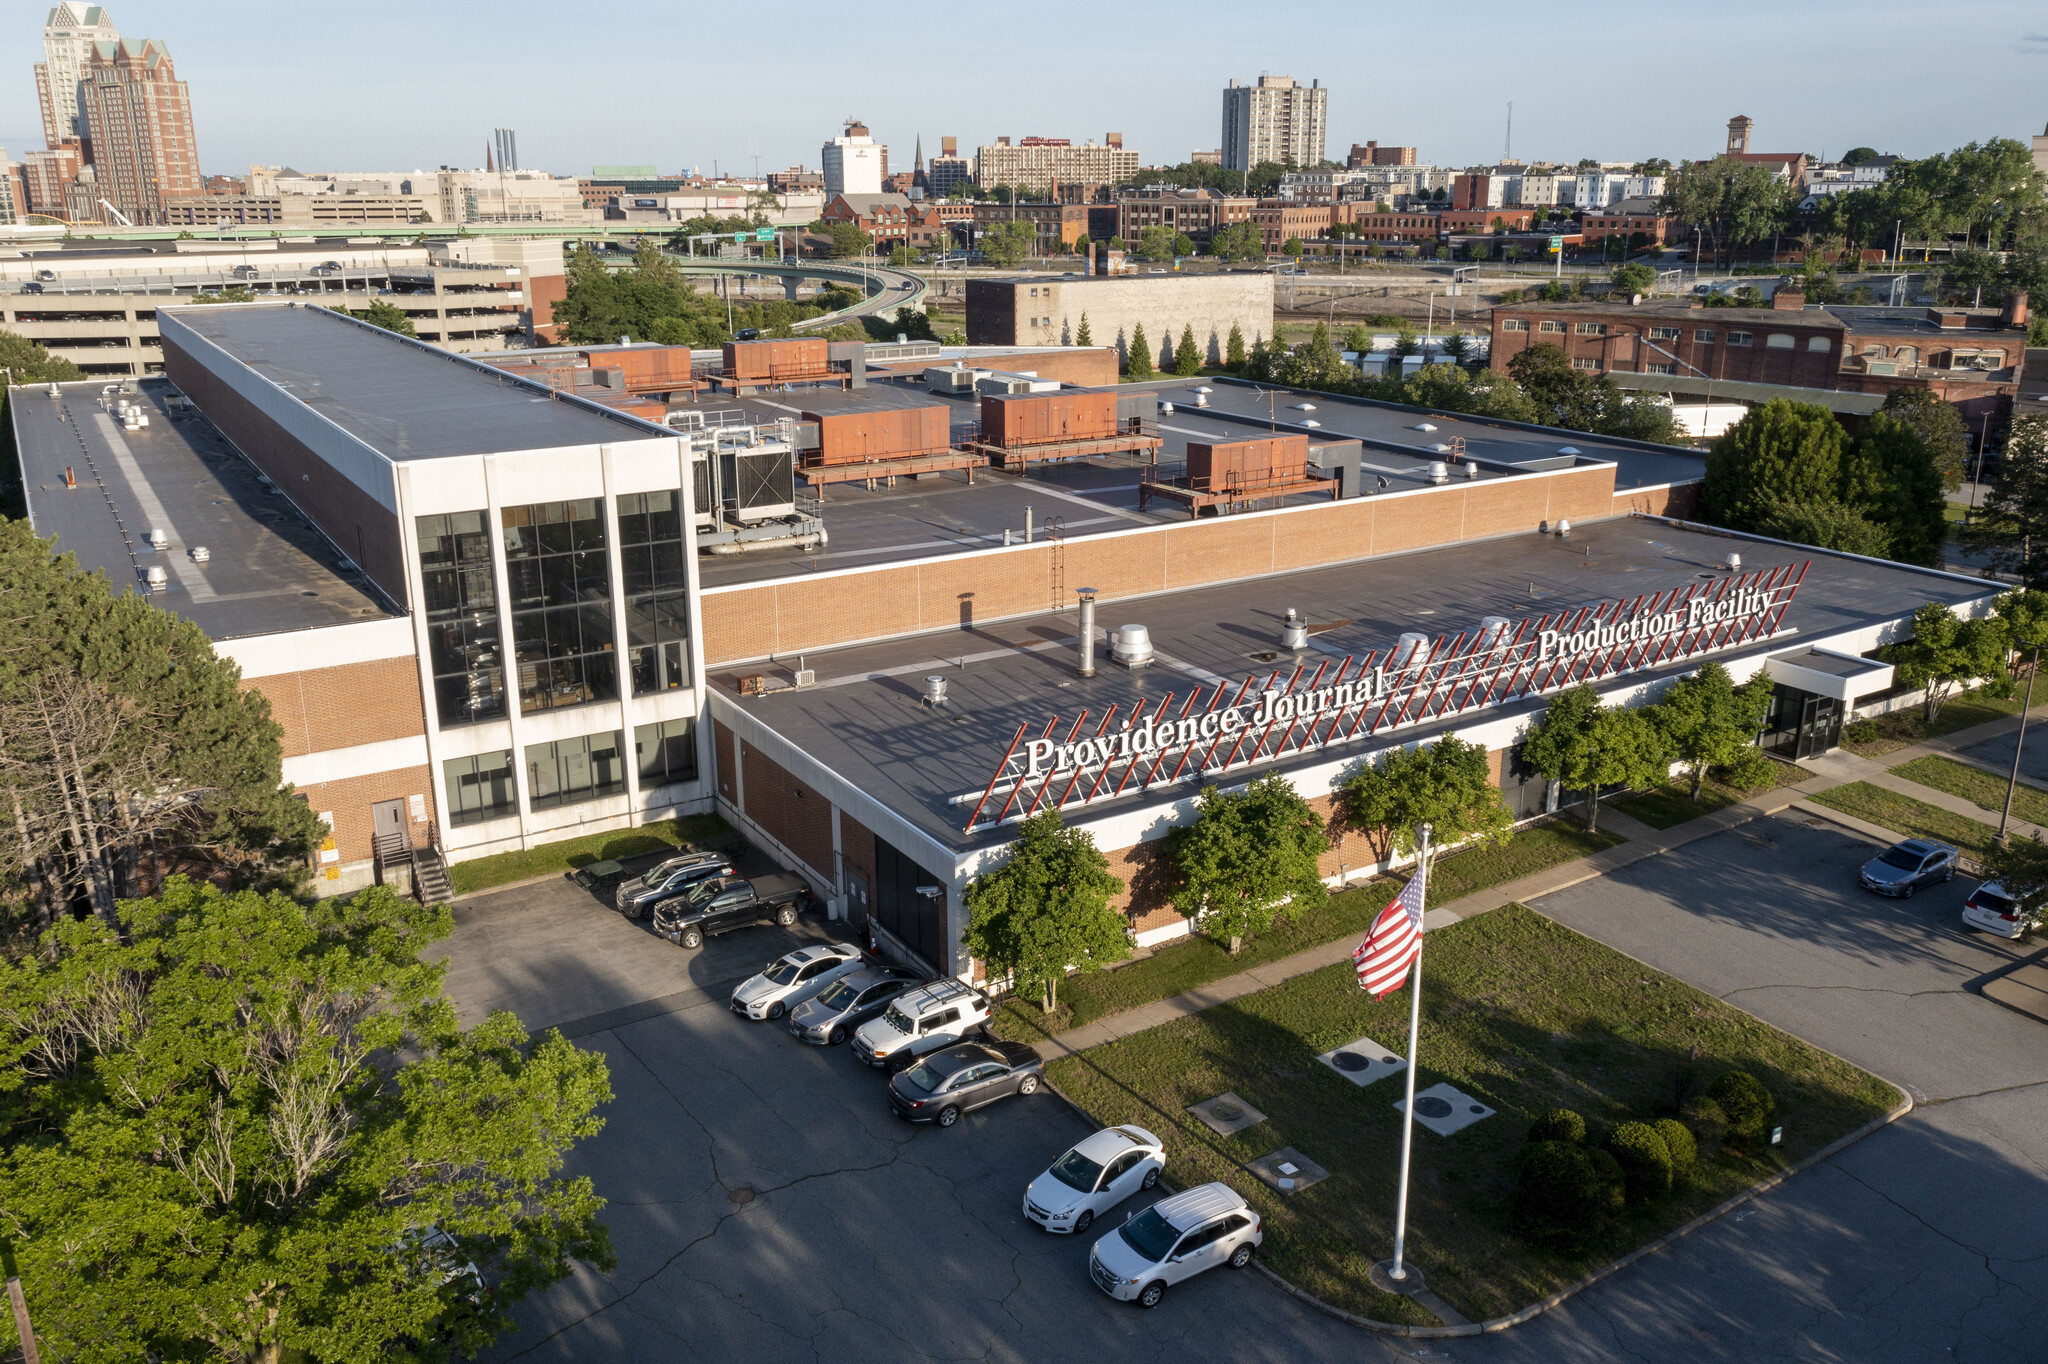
1094,1177
791,980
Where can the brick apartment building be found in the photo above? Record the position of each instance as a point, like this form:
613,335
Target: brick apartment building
1972,357
140,115
1373,154
1626,219
1059,225
891,219
1200,213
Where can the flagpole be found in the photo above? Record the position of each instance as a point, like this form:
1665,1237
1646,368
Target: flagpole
1399,1271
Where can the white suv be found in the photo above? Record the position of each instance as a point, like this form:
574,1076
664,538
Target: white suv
920,1021
1175,1239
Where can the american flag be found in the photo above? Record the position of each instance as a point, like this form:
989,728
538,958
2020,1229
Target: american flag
1393,944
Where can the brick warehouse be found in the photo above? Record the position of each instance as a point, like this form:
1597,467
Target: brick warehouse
1032,310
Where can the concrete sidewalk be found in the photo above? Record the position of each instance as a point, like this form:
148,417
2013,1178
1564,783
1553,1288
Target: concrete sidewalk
1834,769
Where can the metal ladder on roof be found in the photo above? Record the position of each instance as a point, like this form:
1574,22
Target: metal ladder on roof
1056,537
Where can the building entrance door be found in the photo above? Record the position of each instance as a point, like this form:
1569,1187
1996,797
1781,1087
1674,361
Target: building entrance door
387,821
1820,726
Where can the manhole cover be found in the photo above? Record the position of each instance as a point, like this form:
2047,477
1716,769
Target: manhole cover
1429,1107
1226,1112
1351,1060
740,1197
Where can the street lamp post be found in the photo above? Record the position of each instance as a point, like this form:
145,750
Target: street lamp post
2012,782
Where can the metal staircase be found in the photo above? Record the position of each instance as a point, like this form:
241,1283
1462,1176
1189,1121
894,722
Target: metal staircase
430,870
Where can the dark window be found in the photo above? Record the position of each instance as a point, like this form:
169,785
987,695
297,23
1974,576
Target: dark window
561,604
666,752
570,770
917,920
465,650
654,566
480,788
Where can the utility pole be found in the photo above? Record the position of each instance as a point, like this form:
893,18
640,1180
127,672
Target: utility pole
2012,782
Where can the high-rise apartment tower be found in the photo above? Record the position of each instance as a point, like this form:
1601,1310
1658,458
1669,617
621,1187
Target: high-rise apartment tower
68,37
140,115
1276,120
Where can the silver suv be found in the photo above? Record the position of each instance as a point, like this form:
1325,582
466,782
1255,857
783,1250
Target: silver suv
1173,1240
920,1021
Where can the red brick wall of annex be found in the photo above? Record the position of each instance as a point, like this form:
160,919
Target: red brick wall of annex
1680,501
728,774
791,813
817,613
356,703
350,800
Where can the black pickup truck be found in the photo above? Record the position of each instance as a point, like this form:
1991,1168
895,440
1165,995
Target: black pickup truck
724,903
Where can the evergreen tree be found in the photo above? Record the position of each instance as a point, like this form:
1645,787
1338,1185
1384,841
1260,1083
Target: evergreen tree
1083,337
1233,349
1187,358
1782,452
1139,365
1046,910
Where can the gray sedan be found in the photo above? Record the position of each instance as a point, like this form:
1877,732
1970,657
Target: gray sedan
830,1017
1905,867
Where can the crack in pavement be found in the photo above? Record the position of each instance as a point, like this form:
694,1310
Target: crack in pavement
1957,1242
1852,989
1982,1093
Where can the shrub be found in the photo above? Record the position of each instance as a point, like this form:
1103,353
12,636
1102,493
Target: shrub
1703,1116
1559,1124
1746,1106
1684,1151
1610,1184
1644,1160
1862,732
1557,1194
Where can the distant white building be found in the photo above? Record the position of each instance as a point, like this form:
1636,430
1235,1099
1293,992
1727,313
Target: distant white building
854,163
68,37
1277,120
1606,188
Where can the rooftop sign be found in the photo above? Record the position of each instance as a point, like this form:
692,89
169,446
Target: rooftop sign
1329,702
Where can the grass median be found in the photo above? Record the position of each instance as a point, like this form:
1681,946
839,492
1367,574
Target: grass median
505,868
1520,1013
1196,961
1904,815
1672,804
1974,784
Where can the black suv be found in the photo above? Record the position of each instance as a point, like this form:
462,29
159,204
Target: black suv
677,874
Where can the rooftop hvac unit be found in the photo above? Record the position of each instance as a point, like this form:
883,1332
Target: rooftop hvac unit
1881,366
758,481
1131,646
703,500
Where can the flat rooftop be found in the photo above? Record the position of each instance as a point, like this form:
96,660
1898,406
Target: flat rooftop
270,571
865,721
404,399
945,514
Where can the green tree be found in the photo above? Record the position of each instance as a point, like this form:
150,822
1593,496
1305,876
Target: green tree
1736,202
29,363
1046,910
1139,363
1233,349
1586,746
1712,723
2013,524
1251,856
1890,476
1292,247
1317,364
1357,339
848,240
239,1125
2021,866
1498,395
1826,524
1445,388
1638,416
1240,241
127,743
1782,452
1082,336
1183,244
1406,342
1633,278
387,316
1939,425
1187,356
1947,651
1561,395
1456,345
233,293
902,256
1005,244
1447,784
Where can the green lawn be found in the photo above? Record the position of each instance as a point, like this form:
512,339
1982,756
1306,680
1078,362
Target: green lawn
1904,815
1673,804
485,872
1889,733
1975,784
1197,960
1518,1012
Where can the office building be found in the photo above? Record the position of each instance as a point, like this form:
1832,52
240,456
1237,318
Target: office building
69,34
1277,120
1050,167
142,147
505,142
948,169
853,162
1373,154
1198,213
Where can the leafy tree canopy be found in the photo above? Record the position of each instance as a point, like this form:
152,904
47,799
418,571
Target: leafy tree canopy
1250,857
1947,651
1587,745
387,316
240,1124
1046,910
1004,244
1448,785
1710,722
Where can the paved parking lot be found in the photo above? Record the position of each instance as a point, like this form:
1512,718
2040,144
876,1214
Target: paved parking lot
766,1205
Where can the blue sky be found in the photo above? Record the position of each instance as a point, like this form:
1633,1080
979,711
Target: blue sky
382,85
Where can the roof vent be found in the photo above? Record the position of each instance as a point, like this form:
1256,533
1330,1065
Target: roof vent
1439,472
1564,530
1314,423
1733,562
200,554
1131,646
158,577
1294,633
1411,648
158,537
1568,449
1493,631
1423,426
1471,470
935,691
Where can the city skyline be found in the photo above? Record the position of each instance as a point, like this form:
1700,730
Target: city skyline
1806,78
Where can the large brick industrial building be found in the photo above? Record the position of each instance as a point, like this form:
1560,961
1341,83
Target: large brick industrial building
1036,310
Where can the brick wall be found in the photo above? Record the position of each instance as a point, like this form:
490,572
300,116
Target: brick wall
356,703
857,862
791,813
350,800
721,748
1680,501
818,613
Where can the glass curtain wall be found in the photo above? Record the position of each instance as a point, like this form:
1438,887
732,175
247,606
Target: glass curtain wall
666,752
561,604
480,788
464,649
570,770
653,561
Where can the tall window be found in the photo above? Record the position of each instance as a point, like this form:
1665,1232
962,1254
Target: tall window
561,604
666,752
480,788
461,600
570,770
653,560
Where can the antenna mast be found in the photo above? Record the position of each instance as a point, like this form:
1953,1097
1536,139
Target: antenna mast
1507,148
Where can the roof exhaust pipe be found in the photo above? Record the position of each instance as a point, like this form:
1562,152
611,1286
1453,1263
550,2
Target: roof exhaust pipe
1087,664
